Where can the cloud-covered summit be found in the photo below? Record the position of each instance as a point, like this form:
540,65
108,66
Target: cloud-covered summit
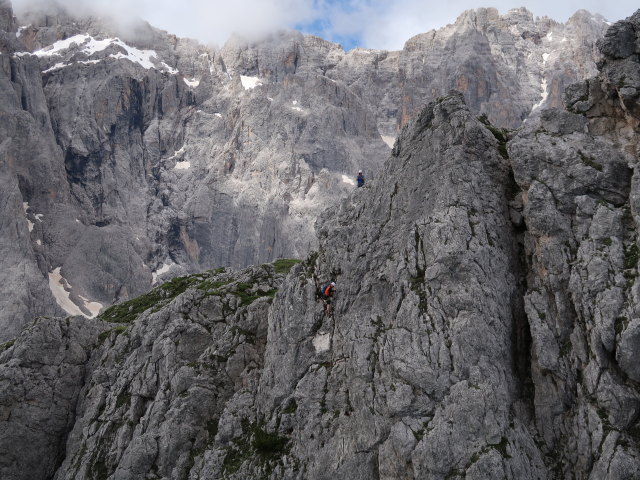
376,24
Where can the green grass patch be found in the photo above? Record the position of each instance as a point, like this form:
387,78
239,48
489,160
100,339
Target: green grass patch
310,264
99,470
502,447
7,345
631,256
127,312
212,287
247,297
235,457
291,407
123,399
255,442
212,428
634,433
500,134
590,162
209,283
268,444
620,324
283,265
106,334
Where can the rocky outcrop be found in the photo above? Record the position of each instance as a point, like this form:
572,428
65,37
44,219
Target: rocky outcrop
130,163
157,386
507,66
610,100
580,244
413,364
41,375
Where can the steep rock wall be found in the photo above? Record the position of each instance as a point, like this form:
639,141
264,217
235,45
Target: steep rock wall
485,326
143,156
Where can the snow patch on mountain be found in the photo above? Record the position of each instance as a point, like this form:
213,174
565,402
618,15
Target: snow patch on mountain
388,140
545,94
90,46
176,154
62,45
61,290
21,29
169,69
93,307
249,83
141,57
162,270
57,66
192,82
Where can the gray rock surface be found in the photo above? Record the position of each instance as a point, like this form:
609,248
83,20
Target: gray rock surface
485,326
487,316
41,375
580,243
157,387
506,66
418,358
610,101
26,141
142,156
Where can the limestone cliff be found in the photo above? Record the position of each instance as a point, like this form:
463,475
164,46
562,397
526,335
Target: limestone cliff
485,326
131,156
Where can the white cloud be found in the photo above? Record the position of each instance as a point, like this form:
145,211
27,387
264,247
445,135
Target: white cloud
210,21
372,23
387,25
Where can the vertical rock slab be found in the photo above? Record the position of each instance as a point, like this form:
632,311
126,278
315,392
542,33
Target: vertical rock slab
41,374
579,192
413,374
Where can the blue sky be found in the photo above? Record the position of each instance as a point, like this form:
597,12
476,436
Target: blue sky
388,24
380,24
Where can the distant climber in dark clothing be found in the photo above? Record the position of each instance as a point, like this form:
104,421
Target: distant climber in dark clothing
360,179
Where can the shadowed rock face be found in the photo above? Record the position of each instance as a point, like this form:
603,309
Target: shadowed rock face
485,326
135,156
40,381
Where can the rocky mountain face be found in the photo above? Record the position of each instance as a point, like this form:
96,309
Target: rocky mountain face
486,325
131,156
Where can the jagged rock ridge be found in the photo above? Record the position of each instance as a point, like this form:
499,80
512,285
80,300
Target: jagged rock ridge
485,325
135,156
